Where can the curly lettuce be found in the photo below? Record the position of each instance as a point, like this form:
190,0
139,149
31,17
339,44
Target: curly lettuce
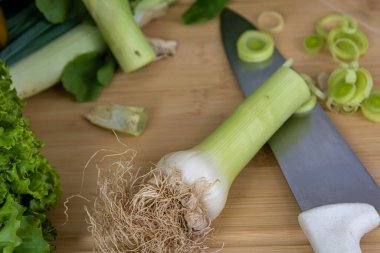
29,185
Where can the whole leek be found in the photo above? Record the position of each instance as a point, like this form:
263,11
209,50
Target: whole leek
121,32
172,206
223,154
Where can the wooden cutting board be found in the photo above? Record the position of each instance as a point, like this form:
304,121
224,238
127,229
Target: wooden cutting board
187,97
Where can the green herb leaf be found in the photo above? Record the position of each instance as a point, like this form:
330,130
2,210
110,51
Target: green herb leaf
57,11
80,77
106,72
54,11
203,10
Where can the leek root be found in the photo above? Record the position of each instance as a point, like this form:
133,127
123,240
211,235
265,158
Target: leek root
170,208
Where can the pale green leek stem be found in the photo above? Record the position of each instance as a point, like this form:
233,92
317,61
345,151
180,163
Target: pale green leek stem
119,29
239,138
43,68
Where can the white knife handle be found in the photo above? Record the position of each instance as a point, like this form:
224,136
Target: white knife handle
338,228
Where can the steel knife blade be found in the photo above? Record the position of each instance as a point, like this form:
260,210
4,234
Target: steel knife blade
328,180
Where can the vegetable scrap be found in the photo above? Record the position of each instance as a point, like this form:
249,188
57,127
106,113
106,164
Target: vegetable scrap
265,21
125,119
255,46
147,10
29,185
170,208
163,48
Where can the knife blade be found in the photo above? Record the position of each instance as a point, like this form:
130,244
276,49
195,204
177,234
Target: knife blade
336,194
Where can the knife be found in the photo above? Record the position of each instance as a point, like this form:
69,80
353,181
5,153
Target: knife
337,196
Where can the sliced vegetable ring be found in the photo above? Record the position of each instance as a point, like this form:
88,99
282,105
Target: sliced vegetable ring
255,46
313,43
347,88
371,107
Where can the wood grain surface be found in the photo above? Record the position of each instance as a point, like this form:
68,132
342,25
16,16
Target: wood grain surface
187,97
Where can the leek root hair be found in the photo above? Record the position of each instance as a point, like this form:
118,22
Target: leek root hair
135,212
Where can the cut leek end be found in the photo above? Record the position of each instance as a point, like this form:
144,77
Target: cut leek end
138,59
126,41
313,43
371,107
255,46
308,106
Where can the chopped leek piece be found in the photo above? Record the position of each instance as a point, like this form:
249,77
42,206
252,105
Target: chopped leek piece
358,38
371,107
255,46
322,79
308,106
344,49
277,27
312,86
126,119
348,87
351,25
313,43
289,63
336,20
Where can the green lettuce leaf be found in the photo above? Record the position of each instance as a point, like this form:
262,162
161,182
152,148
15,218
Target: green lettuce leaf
29,185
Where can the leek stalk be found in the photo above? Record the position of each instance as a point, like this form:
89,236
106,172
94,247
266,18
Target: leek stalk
43,68
224,153
119,29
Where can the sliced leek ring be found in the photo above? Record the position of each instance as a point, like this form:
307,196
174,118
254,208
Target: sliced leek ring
358,38
313,43
344,49
255,46
371,107
277,27
336,20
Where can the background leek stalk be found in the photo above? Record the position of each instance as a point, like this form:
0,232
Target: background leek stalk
43,68
119,29
222,155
